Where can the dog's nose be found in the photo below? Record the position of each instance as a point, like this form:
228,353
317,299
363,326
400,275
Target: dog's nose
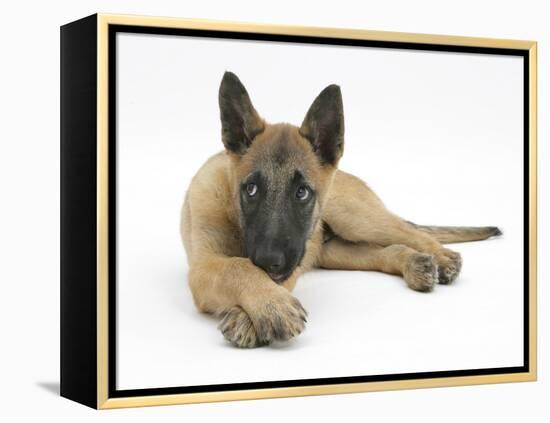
270,261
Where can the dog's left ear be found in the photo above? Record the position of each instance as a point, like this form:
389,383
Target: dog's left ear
323,125
241,123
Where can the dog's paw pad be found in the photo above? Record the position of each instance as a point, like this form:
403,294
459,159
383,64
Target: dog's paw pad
279,319
450,264
238,329
421,272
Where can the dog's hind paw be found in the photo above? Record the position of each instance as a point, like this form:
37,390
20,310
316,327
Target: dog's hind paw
450,264
238,329
421,272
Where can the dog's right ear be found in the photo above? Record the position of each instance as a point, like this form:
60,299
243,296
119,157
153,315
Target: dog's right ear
323,125
240,121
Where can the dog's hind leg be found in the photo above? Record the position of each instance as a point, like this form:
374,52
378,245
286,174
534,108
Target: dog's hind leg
418,269
355,213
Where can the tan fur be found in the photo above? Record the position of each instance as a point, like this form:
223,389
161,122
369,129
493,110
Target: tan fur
419,270
364,235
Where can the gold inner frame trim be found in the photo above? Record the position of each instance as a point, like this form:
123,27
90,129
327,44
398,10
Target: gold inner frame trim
103,22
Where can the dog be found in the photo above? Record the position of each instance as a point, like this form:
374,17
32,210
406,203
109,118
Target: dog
274,205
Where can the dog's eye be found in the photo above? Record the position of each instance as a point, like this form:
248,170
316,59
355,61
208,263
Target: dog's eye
251,189
302,193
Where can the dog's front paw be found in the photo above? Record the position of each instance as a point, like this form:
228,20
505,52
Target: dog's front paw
421,272
278,317
238,329
449,263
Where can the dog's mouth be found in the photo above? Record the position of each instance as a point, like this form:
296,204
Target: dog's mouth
278,277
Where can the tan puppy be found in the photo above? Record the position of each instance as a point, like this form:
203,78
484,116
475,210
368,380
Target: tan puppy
273,205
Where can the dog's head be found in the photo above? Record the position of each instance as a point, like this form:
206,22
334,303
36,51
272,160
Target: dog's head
281,173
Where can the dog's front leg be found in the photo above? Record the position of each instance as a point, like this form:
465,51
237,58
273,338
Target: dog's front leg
255,310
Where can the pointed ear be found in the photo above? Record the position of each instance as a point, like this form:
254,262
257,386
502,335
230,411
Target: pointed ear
323,125
240,121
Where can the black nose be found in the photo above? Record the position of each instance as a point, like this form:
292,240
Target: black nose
271,261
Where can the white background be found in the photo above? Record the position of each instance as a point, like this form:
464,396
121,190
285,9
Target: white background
439,136
29,172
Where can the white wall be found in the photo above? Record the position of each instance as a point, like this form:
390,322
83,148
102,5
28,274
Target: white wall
29,171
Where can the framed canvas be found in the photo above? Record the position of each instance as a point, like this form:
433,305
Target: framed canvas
188,212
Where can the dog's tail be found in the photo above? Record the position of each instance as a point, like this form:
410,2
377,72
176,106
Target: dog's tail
450,234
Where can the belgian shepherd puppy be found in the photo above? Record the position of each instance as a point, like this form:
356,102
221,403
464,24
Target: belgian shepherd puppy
273,205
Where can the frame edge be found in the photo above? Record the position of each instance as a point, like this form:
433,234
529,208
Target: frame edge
326,32
102,211
176,399
533,225
78,315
